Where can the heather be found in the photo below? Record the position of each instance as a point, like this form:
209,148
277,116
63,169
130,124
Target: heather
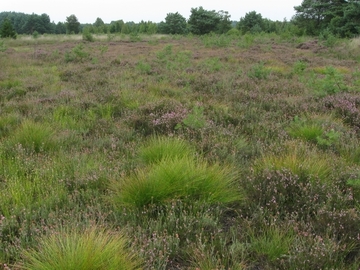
179,152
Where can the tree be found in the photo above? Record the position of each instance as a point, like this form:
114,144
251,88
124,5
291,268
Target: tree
203,21
115,27
347,25
224,24
175,23
7,30
315,15
252,22
60,28
72,24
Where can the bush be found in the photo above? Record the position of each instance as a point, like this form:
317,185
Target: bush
87,36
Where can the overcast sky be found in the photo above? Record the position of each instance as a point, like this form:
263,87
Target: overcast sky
155,10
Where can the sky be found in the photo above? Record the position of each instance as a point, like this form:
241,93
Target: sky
155,10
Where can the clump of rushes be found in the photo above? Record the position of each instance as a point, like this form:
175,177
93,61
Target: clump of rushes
159,148
172,176
300,160
34,137
92,248
305,130
179,178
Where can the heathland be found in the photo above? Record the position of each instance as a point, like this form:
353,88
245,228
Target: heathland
179,152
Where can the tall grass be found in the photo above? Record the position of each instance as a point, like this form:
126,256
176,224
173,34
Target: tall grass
177,178
34,137
159,148
300,159
92,248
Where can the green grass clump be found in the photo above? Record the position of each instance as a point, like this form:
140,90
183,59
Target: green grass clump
272,243
306,131
299,159
34,137
177,178
74,250
159,148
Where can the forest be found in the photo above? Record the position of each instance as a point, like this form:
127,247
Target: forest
339,18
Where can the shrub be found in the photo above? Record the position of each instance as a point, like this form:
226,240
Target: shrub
74,250
259,71
159,117
87,36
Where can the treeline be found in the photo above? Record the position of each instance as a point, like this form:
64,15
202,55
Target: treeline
313,17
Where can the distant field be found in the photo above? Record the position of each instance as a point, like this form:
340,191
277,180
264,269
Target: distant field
172,152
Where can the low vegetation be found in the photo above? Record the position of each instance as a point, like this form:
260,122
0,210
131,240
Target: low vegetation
179,152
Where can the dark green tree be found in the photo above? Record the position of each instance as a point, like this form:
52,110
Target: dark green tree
252,22
175,23
7,30
60,28
347,25
72,25
315,15
203,21
224,24
115,27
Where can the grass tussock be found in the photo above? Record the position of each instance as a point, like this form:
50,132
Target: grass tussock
34,137
92,248
300,159
178,178
159,148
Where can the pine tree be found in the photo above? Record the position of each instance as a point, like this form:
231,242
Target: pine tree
7,30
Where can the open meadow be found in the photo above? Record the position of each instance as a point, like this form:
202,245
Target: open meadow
179,152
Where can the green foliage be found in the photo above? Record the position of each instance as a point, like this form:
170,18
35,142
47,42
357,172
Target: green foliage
72,25
175,23
328,38
184,178
87,36
7,30
159,148
340,17
331,83
34,137
195,119
143,67
77,54
299,67
328,139
2,46
214,40
307,131
203,21
259,71
273,243
300,160
252,22
92,248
